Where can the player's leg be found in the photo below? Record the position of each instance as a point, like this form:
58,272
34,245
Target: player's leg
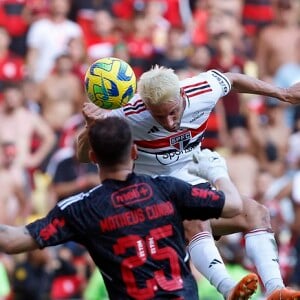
255,223
207,260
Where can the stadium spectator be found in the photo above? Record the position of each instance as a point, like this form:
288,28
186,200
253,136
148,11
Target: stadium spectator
225,59
272,51
14,197
61,94
265,129
102,36
48,38
15,17
88,218
77,51
198,29
139,43
71,177
176,52
242,153
174,120
18,126
11,65
159,25
32,276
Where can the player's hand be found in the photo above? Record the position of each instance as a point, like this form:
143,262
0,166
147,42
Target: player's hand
208,165
292,94
92,112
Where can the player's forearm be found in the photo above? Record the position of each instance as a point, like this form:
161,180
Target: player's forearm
15,240
233,203
83,147
246,84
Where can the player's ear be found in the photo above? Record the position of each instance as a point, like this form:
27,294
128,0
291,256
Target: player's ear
92,157
134,152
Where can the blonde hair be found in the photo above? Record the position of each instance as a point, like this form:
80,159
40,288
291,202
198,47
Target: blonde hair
159,85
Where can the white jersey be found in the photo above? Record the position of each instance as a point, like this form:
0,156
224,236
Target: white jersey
168,153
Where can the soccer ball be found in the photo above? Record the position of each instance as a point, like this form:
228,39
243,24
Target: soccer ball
110,82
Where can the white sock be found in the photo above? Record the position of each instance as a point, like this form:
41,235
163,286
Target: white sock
261,248
207,260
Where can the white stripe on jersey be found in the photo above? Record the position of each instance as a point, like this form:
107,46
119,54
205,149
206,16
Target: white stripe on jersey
68,201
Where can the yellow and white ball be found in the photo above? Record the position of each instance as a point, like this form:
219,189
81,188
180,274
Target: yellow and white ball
110,82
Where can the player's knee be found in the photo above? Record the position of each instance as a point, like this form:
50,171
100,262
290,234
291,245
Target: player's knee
256,215
191,228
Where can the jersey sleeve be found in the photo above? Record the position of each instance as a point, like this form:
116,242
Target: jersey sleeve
219,82
199,201
51,230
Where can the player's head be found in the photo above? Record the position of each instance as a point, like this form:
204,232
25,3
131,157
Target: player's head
111,142
160,90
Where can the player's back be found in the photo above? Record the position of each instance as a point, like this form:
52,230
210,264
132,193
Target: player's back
135,237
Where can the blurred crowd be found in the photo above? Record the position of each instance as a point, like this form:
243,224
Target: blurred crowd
45,49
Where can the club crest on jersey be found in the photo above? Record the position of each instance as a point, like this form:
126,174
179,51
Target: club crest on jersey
181,140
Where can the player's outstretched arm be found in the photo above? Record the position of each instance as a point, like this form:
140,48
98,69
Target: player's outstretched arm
212,167
15,240
246,84
91,112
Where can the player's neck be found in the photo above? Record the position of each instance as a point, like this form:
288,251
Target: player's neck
118,173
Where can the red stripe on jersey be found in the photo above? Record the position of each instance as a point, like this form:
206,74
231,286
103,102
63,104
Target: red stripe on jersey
134,108
132,112
195,84
199,93
165,142
132,105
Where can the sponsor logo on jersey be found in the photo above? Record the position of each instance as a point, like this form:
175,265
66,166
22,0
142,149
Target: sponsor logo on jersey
131,194
51,229
169,157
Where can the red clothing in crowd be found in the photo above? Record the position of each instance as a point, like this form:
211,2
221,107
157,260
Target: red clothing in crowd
11,69
124,9
11,16
256,14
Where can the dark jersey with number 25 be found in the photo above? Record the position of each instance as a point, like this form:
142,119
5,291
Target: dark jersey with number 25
133,231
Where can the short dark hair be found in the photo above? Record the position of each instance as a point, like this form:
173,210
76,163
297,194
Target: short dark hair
111,140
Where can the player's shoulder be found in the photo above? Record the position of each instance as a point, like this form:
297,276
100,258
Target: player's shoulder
167,181
206,82
80,199
135,106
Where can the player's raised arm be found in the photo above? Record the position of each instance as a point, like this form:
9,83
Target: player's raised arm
91,112
246,84
15,239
